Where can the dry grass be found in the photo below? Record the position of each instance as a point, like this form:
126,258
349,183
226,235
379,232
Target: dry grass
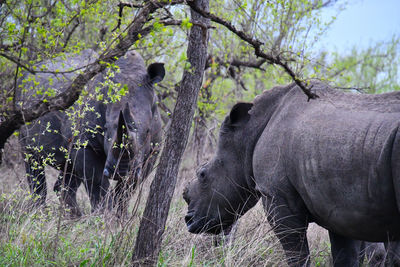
42,237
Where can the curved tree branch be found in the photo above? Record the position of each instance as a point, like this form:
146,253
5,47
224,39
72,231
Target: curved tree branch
256,44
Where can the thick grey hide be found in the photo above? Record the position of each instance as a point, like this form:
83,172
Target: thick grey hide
340,154
133,121
334,160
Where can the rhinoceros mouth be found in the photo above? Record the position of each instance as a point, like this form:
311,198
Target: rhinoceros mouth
210,226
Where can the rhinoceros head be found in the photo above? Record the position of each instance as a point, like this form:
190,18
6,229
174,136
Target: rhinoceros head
221,193
129,122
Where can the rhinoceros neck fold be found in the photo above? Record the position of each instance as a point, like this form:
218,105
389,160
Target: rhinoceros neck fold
265,105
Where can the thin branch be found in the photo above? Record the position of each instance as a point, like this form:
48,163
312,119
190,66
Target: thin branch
9,47
33,71
121,6
232,73
69,35
256,64
256,44
172,22
250,64
26,28
358,62
48,11
358,89
18,62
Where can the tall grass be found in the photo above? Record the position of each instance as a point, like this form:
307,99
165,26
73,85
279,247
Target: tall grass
33,237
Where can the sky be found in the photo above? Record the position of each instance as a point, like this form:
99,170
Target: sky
362,22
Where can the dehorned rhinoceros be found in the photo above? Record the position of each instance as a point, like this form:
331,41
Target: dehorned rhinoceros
112,133
334,161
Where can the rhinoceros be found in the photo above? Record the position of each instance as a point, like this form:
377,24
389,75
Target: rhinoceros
104,137
334,160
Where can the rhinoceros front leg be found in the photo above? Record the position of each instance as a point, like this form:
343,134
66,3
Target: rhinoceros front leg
291,230
393,253
88,166
122,194
345,251
66,187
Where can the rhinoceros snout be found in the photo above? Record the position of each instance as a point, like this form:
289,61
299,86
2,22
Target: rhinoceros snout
189,218
191,224
203,225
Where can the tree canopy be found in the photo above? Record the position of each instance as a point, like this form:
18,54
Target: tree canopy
253,44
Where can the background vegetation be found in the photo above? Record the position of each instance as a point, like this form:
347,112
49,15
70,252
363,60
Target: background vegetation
35,30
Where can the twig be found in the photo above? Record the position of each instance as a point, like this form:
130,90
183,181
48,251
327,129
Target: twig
70,34
32,71
172,22
18,62
358,89
121,6
20,55
8,47
236,62
48,11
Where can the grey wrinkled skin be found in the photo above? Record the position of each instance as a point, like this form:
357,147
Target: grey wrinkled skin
334,161
119,139
380,254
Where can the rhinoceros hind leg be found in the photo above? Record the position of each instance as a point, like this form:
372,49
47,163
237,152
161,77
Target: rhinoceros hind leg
375,254
345,251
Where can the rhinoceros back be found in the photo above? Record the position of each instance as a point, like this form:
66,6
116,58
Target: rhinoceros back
33,88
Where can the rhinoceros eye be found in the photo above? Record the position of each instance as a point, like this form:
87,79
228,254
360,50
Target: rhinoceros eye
202,176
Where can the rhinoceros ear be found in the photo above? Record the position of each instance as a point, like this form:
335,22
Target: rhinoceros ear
156,72
240,113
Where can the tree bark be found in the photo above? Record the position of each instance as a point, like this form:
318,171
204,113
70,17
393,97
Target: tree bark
152,225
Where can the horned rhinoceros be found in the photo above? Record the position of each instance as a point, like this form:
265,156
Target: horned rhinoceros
111,134
334,161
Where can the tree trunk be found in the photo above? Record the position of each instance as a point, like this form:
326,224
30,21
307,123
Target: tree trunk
152,225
